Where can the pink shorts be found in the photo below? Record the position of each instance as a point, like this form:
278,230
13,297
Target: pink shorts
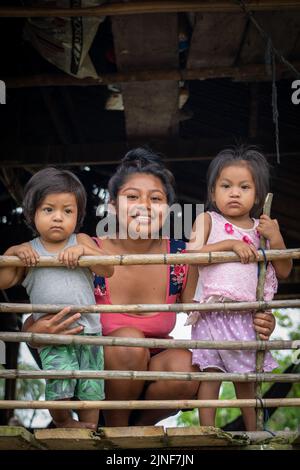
158,325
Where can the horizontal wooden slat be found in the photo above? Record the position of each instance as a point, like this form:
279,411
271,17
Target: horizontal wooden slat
252,72
143,437
132,8
17,438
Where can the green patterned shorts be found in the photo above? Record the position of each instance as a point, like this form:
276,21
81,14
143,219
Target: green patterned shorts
73,357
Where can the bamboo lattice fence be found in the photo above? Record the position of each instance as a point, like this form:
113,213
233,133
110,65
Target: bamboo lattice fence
191,258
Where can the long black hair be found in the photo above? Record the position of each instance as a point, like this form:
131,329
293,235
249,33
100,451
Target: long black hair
142,160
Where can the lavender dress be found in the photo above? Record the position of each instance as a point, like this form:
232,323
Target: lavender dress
229,282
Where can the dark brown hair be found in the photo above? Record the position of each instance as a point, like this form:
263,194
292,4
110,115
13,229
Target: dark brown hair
142,160
257,164
48,181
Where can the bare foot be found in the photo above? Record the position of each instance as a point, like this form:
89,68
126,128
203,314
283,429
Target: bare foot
72,423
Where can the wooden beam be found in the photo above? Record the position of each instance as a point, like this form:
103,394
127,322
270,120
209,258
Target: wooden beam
251,73
17,438
144,42
110,153
132,8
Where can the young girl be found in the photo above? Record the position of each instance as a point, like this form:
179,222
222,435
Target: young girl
237,186
54,206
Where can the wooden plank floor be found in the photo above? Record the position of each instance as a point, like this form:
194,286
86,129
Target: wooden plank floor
148,437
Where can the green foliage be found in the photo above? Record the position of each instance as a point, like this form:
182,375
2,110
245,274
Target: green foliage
283,418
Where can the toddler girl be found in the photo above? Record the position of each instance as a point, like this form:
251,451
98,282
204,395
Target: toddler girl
237,186
54,206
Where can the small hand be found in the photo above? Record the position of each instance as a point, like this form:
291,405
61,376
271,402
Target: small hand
246,251
268,228
26,254
70,256
264,324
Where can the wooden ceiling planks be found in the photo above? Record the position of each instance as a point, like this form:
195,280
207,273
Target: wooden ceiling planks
206,49
282,27
242,45
148,42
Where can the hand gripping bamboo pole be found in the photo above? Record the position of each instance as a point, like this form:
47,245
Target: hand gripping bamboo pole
129,259
260,355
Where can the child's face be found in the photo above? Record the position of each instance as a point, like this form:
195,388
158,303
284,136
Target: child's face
56,217
234,192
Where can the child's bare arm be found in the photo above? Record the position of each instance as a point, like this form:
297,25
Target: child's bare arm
10,276
85,247
187,295
200,233
269,228
199,236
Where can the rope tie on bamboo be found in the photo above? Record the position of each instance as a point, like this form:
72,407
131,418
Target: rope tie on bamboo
165,258
121,260
265,413
209,257
265,259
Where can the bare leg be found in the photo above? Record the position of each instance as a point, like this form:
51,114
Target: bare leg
124,358
63,419
246,390
89,417
173,360
208,391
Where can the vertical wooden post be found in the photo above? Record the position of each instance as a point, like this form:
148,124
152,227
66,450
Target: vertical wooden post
260,355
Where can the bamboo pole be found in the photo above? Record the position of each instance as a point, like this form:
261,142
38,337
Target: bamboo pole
185,258
132,8
260,355
140,308
146,375
40,338
147,404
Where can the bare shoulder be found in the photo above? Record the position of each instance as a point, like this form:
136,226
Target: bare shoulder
200,232
84,238
203,219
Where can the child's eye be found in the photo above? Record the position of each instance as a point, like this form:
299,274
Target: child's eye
68,211
156,198
131,196
245,187
47,209
224,185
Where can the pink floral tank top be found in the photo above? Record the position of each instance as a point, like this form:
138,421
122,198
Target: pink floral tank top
235,281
